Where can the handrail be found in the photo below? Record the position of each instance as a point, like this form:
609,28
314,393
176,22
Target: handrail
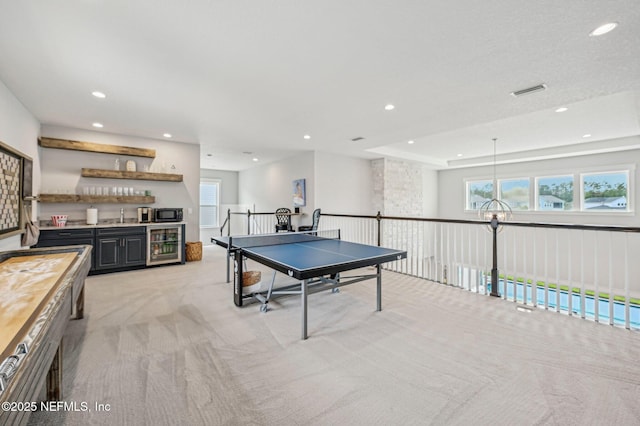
380,217
537,258
482,222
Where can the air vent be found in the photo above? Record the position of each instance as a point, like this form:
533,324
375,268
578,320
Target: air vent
359,138
529,90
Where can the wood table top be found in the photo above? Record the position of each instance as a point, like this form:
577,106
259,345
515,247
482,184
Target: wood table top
26,286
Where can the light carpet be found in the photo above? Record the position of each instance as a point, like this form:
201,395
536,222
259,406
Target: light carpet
167,346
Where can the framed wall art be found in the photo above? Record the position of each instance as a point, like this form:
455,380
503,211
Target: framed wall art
11,168
299,193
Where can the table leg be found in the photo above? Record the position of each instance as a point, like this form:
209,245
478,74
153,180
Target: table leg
54,377
303,285
80,304
379,287
237,281
228,265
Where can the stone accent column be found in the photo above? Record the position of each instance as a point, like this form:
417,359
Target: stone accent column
397,187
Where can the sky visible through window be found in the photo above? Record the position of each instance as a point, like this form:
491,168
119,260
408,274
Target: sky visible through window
515,192
612,182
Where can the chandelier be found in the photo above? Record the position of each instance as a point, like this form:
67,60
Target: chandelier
495,210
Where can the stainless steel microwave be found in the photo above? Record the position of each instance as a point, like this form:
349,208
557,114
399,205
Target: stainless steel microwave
167,215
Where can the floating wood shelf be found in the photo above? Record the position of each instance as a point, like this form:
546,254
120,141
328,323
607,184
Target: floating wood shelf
117,174
96,147
96,199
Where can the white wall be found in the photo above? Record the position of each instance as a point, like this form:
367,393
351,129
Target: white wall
343,184
18,129
271,185
334,183
61,172
451,198
429,192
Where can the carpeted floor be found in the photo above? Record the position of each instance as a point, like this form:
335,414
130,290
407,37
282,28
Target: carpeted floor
167,346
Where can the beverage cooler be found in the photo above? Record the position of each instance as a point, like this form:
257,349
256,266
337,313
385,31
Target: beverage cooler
165,244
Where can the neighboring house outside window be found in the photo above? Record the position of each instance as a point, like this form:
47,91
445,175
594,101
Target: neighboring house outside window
550,202
604,203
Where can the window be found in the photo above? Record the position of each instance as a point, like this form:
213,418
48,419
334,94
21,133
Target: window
515,192
209,203
605,191
555,193
478,193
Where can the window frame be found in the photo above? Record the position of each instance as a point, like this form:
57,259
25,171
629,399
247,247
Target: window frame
467,197
551,176
501,197
218,183
629,175
577,177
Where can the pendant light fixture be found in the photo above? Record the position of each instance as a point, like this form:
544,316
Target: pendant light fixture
495,210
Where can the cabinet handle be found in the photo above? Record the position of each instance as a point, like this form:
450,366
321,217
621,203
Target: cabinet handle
64,234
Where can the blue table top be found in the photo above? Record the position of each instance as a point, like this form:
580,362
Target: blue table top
314,254
308,259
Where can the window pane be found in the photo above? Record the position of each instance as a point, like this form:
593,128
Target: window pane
208,216
605,191
208,194
478,192
555,193
515,192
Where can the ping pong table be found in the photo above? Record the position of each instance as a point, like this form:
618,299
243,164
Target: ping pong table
316,259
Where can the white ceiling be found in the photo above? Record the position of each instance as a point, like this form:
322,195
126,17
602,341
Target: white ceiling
254,76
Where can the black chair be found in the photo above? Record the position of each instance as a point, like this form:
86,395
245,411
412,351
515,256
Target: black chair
314,224
283,220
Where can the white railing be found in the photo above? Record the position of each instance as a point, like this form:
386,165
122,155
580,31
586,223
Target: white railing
584,271
248,223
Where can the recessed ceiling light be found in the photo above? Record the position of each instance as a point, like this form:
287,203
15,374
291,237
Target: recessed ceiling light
167,135
562,109
255,159
459,155
586,135
389,107
410,142
307,137
603,29
99,94
98,125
